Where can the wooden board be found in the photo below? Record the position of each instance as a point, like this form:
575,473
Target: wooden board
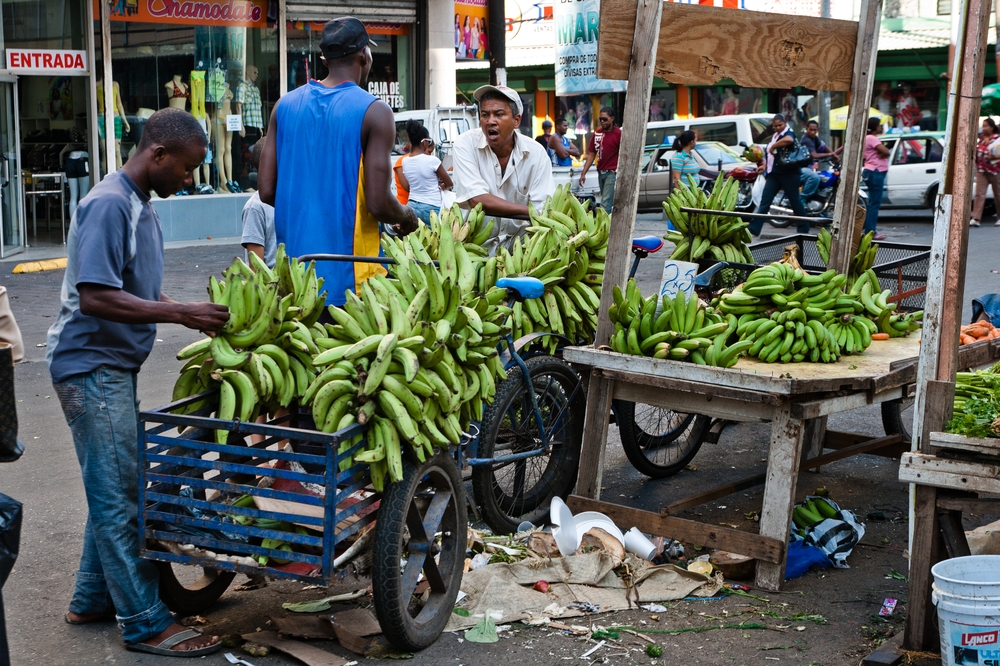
711,536
754,375
929,470
754,49
942,440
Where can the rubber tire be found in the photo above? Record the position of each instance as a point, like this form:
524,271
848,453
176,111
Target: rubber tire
197,598
559,475
391,601
893,421
636,443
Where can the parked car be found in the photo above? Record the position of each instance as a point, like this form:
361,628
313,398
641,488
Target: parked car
749,128
656,177
914,169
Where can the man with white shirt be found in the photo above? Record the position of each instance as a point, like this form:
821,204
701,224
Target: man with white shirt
499,167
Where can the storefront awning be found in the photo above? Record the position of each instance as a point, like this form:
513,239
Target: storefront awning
380,11
522,56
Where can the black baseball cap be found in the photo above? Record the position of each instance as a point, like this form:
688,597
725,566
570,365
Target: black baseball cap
344,36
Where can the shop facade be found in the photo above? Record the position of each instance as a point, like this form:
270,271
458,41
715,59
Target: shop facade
226,62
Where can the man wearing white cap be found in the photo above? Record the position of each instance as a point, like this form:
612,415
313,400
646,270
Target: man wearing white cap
499,167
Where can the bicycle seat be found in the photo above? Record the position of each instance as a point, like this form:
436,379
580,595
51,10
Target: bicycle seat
647,243
524,287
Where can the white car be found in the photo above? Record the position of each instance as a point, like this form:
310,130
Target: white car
914,169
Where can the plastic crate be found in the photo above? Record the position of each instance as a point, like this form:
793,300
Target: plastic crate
900,267
178,473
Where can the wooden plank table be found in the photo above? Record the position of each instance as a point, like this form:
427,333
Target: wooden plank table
794,397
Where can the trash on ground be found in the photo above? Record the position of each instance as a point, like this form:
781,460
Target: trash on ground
733,566
253,583
314,626
696,630
360,621
699,566
318,605
307,654
888,607
571,628
193,621
479,560
592,650
485,631
639,544
654,608
543,543
233,659
654,651
255,649
541,586
585,606
820,522
801,557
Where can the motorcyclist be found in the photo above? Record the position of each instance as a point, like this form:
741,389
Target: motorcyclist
818,150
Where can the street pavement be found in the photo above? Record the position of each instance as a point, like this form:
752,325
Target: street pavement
47,478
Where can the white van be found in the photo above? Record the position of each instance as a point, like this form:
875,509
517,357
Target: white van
749,128
444,125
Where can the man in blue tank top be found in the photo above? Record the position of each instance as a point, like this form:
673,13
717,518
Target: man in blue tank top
326,167
561,149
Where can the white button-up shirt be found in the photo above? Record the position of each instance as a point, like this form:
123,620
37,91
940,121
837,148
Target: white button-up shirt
528,178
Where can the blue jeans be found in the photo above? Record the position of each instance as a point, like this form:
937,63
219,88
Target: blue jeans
102,410
423,210
810,183
876,186
606,179
774,182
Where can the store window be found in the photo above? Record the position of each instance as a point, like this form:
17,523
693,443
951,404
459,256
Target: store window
663,105
390,78
911,106
730,101
217,66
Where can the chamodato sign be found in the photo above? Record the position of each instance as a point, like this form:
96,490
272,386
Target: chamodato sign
47,61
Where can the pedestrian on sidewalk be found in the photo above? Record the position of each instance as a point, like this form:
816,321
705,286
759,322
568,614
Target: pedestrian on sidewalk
422,174
546,134
683,164
326,167
561,150
874,172
604,147
778,178
987,171
258,220
111,303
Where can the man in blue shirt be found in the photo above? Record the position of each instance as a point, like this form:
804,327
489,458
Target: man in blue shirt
561,149
818,150
111,303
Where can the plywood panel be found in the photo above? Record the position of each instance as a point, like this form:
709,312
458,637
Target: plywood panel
701,45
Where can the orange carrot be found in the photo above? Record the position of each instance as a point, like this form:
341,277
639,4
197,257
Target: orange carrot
976,331
880,336
995,333
966,339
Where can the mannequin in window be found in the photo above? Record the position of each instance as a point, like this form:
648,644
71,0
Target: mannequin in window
197,93
224,142
177,93
118,113
77,170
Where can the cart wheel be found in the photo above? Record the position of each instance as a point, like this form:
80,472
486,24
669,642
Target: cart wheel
429,501
186,594
659,442
508,493
897,417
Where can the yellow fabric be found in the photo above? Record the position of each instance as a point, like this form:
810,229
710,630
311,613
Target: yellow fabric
197,90
100,99
366,237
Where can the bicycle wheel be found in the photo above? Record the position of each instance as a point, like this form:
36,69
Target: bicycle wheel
514,491
429,501
658,442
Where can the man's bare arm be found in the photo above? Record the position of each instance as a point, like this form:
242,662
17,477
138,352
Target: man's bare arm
120,306
378,135
267,174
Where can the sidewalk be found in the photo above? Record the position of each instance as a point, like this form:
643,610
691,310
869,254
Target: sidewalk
43,252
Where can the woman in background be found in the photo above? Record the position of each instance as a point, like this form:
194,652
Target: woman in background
423,175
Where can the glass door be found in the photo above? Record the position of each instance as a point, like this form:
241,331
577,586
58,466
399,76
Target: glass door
11,200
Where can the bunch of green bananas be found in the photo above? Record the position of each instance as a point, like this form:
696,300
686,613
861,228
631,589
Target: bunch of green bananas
472,231
684,330
823,242
812,512
865,257
791,316
878,308
724,238
262,358
565,248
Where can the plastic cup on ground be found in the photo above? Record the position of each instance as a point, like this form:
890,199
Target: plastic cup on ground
637,543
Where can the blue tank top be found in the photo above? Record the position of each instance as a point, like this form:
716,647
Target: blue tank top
566,161
319,204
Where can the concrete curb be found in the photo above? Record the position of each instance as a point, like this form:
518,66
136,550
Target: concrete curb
37,266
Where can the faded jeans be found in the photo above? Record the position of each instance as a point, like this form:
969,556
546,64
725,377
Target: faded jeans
606,179
876,187
423,210
810,183
102,410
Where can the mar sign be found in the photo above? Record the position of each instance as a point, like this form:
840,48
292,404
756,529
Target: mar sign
577,28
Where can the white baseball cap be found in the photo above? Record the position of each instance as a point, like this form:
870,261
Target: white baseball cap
509,93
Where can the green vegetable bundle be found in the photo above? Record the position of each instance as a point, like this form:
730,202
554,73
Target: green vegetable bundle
977,404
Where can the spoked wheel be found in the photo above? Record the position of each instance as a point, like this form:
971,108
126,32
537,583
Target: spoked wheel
421,529
659,442
897,417
509,492
189,590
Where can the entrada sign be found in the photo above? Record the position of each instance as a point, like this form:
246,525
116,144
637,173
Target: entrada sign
47,61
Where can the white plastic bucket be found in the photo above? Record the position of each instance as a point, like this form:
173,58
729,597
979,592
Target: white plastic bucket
966,591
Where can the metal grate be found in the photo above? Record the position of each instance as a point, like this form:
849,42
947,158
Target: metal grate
187,483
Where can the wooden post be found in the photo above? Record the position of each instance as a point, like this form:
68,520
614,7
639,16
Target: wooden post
640,87
854,138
